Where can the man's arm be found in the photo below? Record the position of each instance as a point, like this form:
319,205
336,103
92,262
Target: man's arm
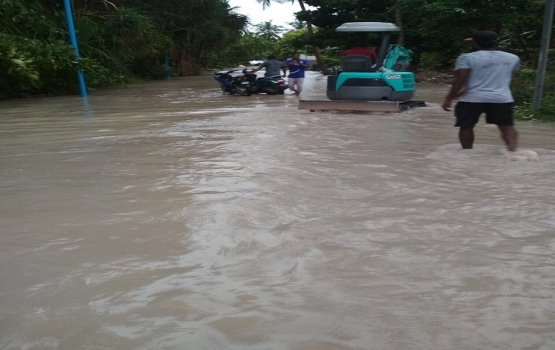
260,66
284,68
457,89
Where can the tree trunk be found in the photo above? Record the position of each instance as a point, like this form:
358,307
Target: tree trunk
399,23
186,65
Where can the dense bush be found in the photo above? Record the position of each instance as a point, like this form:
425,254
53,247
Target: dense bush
31,67
118,41
523,89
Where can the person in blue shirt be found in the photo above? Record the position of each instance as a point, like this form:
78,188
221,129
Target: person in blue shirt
483,85
296,67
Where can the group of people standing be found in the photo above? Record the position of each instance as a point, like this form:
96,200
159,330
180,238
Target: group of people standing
295,65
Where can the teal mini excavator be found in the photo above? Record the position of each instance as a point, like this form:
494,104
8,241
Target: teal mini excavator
360,79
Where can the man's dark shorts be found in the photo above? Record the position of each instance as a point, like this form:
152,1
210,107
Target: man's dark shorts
468,113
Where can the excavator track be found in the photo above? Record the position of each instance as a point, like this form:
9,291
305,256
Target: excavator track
359,106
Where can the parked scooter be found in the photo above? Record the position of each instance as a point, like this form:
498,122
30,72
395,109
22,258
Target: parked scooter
249,83
274,85
233,84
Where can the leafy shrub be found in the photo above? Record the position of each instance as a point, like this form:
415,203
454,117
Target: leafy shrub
96,75
29,66
523,88
431,60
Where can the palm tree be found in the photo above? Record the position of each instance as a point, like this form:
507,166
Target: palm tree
269,31
297,24
316,49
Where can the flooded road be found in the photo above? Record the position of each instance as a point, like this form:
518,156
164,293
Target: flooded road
169,216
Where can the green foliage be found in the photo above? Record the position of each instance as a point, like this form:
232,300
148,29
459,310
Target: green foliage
248,47
436,28
35,57
431,60
523,85
32,67
198,29
97,75
28,18
134,44
119,40
269,31
523,91
29,66
546,112
295,40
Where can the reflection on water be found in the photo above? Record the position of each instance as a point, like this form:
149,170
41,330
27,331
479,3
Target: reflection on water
174,217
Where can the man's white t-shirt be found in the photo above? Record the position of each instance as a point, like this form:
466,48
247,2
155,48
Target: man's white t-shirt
490,75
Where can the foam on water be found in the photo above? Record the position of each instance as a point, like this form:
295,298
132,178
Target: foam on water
522,154
484,151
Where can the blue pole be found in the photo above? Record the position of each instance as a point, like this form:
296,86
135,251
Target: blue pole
73,40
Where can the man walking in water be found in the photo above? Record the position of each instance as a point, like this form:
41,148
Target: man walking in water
296,67
483,83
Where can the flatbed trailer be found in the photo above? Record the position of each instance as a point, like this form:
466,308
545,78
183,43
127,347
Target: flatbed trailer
359,106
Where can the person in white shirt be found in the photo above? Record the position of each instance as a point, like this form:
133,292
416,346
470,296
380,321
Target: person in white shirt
483,85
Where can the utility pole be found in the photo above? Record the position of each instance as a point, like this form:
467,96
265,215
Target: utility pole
543,55
73,40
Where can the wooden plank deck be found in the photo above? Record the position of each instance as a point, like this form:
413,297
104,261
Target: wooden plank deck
365,106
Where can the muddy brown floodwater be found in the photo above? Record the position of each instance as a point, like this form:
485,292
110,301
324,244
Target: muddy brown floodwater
169,216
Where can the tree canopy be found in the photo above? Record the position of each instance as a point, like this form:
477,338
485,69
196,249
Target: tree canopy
118,40
435,29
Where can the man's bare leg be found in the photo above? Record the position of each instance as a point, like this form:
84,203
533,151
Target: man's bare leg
466,137
509,136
